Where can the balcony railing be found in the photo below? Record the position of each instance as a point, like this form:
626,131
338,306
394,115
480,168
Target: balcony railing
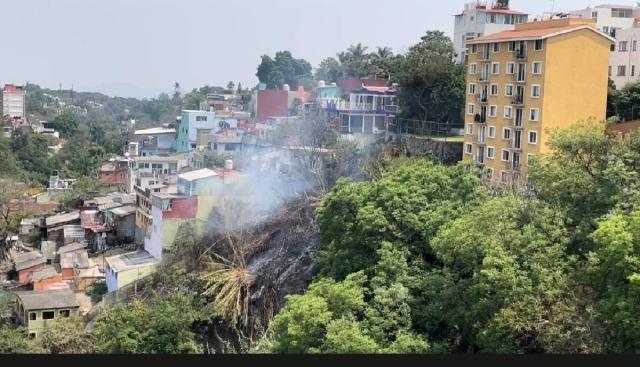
480,118
482,98
520,54
347,106
483,78
518,100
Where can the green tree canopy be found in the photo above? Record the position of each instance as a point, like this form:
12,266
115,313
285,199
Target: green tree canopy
283,69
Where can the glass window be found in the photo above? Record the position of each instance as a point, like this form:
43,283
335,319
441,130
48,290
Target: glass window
473,69
534,114
494,89
64,313
32,316
491,152
504,176
48,315
508,90
622,70
470,109
535,91
493,111
472,88
495,68
508,112
538,45
469,129
511,46
505,155
537,67
533,137
468,148
496,47
622,46
492,132
506,133
511,68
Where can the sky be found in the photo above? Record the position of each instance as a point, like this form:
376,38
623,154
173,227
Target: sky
139,48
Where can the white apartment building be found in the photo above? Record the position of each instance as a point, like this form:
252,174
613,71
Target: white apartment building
13,101
609,18
624,66
479,18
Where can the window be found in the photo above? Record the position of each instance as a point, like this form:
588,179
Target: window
622,70
493,111
504,176
48,315
634,45
494,90
537,67
492,132
32,316
495,68
472,88
505,155
470,109
538,45
508,90
488,172
469,129
508,110
511,46
534,114
594,15
496,47
609,70
511,68
533,137
633,70
468,148
474,48
621,12
201,118
473,68
64,313
605,29
506,133
535,91
491,152
622,46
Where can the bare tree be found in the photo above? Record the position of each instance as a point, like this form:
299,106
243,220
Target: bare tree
10,194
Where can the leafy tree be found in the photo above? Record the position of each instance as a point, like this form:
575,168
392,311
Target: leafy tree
161,327
66,336
66,123
407,207
329,70
8,163
283,69
32,155
231,85
432,85
15,341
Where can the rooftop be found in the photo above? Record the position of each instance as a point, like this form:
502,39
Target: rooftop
155,130
49,299
27,260
74,246
48,272
537,33
130,260
197,174
62,218
124,210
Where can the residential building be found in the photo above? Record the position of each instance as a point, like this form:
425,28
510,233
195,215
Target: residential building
27,263
368,111
155,141
191,121
520,83
115,173
625,57
197,193
35,310
124,269
478,19
55,225
123,222
13,101
609,18
271,103
47,279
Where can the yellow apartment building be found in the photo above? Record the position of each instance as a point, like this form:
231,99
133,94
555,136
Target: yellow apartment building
522,82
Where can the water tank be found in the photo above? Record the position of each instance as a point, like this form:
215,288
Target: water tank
334,84
321,84
285,87
228,165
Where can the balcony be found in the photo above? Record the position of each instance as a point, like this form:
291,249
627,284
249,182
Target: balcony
480,118
482,98
484,78
520,54
516,166
518,100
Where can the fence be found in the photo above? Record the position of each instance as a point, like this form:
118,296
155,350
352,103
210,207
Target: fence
421,128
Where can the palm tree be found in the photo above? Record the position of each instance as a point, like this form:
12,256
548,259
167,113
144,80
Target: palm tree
357,51
383,53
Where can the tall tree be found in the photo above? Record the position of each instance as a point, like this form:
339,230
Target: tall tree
432,85
283,69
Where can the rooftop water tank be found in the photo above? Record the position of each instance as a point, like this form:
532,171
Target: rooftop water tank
228,165
321,84
285,87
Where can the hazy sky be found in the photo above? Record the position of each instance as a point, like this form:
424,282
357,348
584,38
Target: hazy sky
140,47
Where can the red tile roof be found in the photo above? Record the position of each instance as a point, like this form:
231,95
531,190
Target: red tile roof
12,88
527,34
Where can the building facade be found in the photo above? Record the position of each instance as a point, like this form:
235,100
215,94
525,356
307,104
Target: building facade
36,310
191,121
479,19
13,101
541,75
155,141
609,19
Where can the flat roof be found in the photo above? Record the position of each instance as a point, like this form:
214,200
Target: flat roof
124,210
163,158
62,218
154,130
130,260
33,300
197,174
74,246
534,34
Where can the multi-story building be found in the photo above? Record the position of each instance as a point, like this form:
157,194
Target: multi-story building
625,57
194,120
13,101
368,110
541,75
609,18
154,141
478,19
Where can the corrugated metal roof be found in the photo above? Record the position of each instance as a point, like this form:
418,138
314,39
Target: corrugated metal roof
198,174
62,218
33,300
155,130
